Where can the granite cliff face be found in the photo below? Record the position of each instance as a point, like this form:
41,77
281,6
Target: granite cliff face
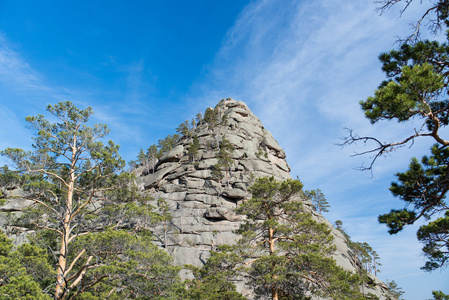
203,206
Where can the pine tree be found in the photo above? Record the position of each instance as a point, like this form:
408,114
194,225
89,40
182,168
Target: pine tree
287,253
214,279
16,276
416,91
439,295
184,129
395,290
318,200
193,148
74,180
152,153
224,156
167,144
375,262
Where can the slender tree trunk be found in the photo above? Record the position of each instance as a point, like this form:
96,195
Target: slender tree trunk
61,284
63,252
274,290
165,234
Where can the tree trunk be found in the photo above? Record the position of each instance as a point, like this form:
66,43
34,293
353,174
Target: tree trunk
62,260
61,284
274,290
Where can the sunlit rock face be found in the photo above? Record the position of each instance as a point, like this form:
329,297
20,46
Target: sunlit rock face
203,207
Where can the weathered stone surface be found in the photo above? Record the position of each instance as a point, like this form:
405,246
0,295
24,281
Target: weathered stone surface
170,188
207,163
152,180
190,182
173,155
234,193
257,165
203,208
219,213
15,204
204,198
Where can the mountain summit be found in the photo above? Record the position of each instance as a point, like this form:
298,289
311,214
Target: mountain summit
207,175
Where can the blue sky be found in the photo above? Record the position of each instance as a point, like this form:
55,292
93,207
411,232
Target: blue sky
301,66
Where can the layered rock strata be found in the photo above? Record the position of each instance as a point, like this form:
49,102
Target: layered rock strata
203,208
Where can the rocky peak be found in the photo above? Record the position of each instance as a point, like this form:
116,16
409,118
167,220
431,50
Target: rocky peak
203,205
202,193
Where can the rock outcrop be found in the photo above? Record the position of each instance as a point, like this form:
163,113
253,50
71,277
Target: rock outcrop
201,204
203,208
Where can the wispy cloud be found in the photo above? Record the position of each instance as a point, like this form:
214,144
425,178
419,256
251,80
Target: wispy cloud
302,67
15,72
30,92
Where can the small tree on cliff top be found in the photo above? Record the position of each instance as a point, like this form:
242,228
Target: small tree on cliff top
318,200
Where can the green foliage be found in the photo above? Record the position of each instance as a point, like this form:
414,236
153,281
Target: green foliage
152,153
406,96
142,156
416,90
318,200
193,148
435,238
165,219
15,280
167,144
37,262
211,118
439,295
184,129
10,178
261,153
216,173
199,119
423,188
131,263
214,280
363,253
76,182
287,252
395,290
224,156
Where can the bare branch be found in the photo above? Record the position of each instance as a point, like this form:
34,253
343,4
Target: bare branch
47,173
45,205
434,25
381,149
48,228
79,275
77,235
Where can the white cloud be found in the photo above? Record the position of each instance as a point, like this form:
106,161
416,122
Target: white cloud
16,72
302,67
